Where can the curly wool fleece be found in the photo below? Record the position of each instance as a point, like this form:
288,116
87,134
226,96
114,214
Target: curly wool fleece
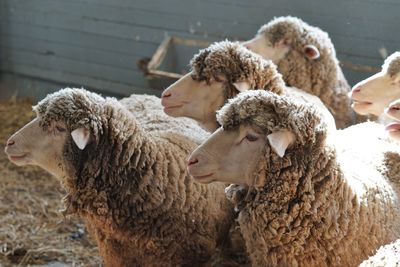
391,65
250,108
308,208
132,187
236,64
323,76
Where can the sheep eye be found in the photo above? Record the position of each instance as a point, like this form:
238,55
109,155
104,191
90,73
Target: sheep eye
251,138
60,129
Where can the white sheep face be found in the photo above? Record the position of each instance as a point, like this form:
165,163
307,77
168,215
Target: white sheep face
374,94
194,99
32,145
262,46
232,156
227,156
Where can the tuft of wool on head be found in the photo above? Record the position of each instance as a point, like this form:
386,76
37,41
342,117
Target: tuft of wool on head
311,75
75,107
391,65
235,63
271,112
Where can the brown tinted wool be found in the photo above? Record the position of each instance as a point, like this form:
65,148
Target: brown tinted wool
236,64
323,76
320,204
132,187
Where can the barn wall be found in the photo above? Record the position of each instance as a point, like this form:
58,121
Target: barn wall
97,43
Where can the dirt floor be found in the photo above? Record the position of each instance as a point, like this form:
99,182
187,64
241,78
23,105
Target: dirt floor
32,230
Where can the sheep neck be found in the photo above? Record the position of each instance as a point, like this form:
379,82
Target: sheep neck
209,125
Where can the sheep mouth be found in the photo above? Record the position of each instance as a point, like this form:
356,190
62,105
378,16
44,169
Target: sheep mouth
172,107
17,158
202,177
393,127
359,102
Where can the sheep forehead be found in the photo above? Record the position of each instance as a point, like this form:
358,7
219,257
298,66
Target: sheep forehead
65,105
298,31
392,64
220,56
249,108
235,62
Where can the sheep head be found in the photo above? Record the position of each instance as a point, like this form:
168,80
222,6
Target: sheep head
374,94
218,73
65,120
304,54
259,130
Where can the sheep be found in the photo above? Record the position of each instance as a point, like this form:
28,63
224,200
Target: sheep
130,186
386,256
306,58
308,203
374,94
220,72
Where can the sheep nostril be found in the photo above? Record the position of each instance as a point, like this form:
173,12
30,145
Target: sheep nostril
192,161
357,89
394,108
10,142
165,94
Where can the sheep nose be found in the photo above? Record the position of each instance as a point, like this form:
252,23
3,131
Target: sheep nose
165,94
192,161
10,142
356,89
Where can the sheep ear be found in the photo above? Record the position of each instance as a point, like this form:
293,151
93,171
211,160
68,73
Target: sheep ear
242,86
311,52
81,137
280,141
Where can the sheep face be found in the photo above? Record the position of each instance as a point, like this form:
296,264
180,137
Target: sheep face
228,156
219,73
374,94
288,36
262,46
35,145
65,124
393,111
195,99
258,128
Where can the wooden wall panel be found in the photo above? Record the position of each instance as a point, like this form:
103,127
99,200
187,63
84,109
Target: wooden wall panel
97,43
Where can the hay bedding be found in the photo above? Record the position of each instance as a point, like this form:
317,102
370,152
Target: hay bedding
32,230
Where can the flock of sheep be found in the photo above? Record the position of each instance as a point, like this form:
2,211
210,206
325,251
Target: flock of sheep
276,181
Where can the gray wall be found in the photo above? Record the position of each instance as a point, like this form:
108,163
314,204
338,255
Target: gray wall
97,43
